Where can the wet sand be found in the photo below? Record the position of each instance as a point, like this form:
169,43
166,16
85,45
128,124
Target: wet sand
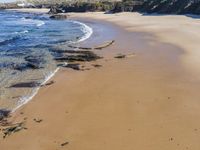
149,101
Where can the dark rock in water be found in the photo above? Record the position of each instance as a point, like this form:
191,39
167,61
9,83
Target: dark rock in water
86,48
25,85
34,65
71,51
4,113
6,65
27,17
20,67
34,59
73,66
55,10
34,62
25,66
82,57
59,16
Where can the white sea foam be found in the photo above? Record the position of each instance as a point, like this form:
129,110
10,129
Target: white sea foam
85,29
22,32
36,22
40,23
25,99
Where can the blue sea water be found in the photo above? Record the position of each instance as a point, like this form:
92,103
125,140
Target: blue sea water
25,36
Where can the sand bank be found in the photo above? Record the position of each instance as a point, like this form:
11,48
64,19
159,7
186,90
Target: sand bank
31,10
149,101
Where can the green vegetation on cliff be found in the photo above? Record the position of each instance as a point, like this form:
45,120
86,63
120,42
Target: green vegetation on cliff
114,6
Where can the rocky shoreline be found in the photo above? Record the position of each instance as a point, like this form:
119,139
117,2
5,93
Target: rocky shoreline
148,6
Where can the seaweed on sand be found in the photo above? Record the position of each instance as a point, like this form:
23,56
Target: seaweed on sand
13,129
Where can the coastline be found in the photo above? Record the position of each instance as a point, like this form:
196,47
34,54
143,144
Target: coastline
29,10
178,30
141,102
24,99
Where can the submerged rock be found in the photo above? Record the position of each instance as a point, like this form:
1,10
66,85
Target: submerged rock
85,48
34,59
26,66
71,51
31,84
33,62
83,57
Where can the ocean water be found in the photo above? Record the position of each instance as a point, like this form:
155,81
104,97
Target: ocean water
26,43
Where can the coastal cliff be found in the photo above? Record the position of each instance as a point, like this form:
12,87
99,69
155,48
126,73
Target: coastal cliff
144,6
115,6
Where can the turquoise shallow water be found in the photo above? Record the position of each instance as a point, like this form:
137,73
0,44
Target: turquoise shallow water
26,41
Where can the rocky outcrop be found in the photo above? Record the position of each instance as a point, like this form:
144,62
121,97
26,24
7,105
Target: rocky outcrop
158,6
171,7
59,16
79,58
8,5
55,10
31,84
82,7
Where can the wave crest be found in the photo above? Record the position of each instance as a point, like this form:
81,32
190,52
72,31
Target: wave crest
36,22
88,31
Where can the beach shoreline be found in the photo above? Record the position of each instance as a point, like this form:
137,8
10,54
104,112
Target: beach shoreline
31,10
144,101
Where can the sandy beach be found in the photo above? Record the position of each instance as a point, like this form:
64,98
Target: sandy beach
33,10
148,100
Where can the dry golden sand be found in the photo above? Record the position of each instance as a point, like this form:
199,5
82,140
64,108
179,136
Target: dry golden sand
179,30
147,102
